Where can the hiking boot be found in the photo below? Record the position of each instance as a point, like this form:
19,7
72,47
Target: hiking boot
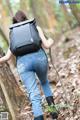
51,104
39,118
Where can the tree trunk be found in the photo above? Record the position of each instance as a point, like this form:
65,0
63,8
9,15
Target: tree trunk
13,95
23,5
50,15
3,35
75,11
39,12
10,8
4,20
66,14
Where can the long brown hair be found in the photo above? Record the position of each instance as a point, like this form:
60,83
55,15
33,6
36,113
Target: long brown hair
19,16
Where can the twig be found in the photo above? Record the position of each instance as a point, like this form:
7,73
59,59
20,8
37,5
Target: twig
59,79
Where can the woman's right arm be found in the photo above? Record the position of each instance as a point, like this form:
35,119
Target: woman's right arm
45,43
6,57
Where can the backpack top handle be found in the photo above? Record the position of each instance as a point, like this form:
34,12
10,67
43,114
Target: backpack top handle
22,23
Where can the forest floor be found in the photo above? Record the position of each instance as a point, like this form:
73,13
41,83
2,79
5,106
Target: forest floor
66,59
66,86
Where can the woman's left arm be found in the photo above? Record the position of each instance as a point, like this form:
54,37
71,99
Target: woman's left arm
6,57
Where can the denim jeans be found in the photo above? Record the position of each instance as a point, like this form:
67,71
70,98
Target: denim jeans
29,66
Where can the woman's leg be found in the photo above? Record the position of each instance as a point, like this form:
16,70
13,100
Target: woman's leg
41,68
46,87
41,71
29,80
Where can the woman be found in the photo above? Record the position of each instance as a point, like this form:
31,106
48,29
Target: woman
28,65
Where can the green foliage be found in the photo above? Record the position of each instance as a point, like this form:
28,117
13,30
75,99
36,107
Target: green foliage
51,108
15,4
78,6
57,107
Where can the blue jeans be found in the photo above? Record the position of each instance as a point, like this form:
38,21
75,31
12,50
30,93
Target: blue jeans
28,67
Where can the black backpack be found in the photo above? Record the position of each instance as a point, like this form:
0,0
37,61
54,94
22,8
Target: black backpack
24,38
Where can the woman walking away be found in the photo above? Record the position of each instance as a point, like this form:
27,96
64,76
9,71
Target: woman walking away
26,44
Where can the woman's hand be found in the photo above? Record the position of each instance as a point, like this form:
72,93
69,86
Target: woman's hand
6,57
2,59
50,42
